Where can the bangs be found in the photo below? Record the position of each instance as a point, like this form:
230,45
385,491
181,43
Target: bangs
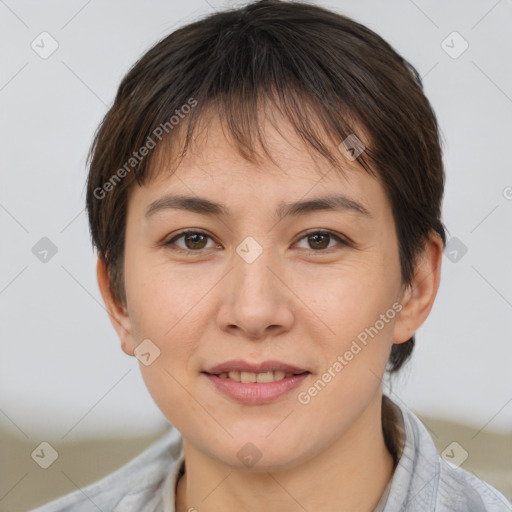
241,68
242,120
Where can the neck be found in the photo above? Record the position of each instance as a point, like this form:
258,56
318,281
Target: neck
351,474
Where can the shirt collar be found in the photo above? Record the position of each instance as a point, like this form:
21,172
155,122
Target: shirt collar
413,485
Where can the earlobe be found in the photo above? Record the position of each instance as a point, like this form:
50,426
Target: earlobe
418,298
116,311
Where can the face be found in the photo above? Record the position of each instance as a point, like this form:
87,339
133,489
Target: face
256,282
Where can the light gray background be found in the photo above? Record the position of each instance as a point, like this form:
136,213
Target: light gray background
62,372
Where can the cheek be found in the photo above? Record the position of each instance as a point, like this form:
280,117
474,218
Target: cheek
168,387
167,310
354,350
358,310
162,299
348,301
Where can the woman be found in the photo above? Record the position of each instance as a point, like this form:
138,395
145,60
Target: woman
265,197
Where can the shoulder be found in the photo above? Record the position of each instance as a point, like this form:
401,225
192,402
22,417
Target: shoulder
459,489
137,483
424,482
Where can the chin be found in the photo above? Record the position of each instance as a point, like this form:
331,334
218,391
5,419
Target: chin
261,454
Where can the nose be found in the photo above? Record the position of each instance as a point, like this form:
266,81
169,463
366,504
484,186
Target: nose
256,301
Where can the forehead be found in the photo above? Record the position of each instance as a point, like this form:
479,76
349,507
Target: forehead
214,167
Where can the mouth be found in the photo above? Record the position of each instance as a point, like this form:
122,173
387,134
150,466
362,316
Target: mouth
245,367
257,383
260,377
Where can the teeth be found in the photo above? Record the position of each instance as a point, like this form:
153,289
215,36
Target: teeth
266,377
279,375
248,377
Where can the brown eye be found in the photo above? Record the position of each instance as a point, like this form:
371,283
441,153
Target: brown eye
319,241
194,241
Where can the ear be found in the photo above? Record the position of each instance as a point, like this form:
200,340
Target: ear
116,311
418,298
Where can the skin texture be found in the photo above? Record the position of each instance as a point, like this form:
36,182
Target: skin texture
296,303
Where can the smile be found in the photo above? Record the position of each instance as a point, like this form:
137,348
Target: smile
248,377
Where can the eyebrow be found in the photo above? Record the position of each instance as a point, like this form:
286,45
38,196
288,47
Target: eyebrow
206,207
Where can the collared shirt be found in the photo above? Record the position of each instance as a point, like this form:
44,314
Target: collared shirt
422,481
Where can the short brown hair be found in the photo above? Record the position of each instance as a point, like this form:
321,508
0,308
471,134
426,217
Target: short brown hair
306,60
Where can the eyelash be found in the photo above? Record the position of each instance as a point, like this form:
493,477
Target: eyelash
190,252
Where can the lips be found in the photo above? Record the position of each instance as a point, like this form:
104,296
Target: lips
255,392
255,383
239,365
